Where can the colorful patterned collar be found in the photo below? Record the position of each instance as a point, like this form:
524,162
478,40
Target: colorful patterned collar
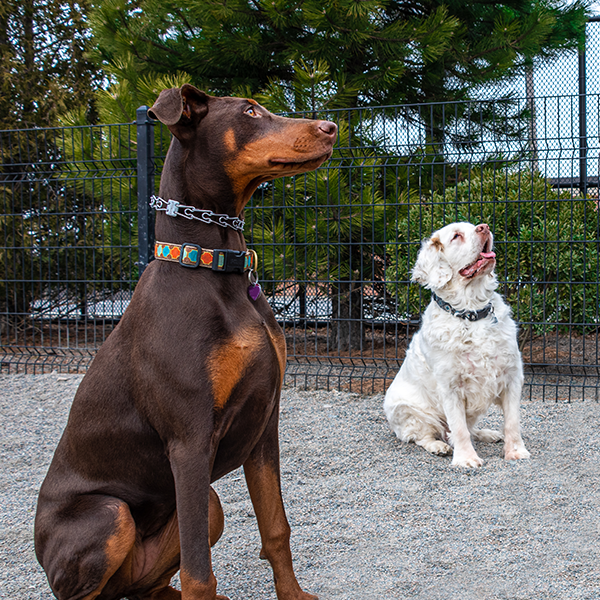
224,261
192,255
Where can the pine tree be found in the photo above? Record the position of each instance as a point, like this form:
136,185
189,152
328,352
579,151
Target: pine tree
43,72
313,57
240,47
374,52
323,233
43,66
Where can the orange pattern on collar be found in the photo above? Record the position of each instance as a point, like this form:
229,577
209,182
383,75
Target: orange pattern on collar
192,255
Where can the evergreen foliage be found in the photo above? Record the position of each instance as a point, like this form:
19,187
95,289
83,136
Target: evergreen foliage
311,57
549,276
323,234
349,53
44,69
43,73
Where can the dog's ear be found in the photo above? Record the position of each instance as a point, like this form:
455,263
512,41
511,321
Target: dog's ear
180,108
432,270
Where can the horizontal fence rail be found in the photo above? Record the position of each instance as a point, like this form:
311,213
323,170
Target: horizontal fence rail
335,246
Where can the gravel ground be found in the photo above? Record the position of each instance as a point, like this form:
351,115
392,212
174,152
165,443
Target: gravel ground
371,517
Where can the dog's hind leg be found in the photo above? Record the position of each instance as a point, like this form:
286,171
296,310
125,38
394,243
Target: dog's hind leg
147,571
412,426
216,519
82,549
483,434
262,477
433,445
486,435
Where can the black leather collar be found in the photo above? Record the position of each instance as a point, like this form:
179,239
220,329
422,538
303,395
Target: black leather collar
469,315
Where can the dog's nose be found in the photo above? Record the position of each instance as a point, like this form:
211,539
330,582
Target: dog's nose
328,128
482,228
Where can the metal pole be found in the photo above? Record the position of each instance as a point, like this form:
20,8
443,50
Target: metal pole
583,146
530,93
145,186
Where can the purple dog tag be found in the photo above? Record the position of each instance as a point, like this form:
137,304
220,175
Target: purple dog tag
254,290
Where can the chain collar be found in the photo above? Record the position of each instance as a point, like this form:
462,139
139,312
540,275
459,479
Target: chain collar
469,315
175,209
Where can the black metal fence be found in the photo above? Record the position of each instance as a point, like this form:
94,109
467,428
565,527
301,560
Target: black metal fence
335,246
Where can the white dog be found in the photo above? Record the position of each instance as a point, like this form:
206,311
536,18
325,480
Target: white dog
465,355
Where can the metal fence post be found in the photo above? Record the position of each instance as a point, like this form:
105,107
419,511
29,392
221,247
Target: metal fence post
583,144
530,93
145,186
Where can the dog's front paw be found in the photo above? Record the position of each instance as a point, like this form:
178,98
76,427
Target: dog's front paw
468,461
518,453
487,435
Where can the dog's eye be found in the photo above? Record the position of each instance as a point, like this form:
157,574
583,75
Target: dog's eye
251,111
457,235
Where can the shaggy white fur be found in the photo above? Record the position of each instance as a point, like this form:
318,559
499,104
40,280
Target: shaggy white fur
456,368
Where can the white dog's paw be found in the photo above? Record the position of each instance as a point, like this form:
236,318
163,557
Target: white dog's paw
438,447
487,435
468,461
518,453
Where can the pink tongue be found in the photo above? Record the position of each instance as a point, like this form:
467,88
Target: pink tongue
470,270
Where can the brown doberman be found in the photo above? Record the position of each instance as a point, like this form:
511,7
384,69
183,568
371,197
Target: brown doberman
186,388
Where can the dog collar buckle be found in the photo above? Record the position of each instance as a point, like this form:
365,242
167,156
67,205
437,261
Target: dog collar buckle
222,261
230,261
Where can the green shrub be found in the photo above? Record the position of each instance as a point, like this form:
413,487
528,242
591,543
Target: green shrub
546,244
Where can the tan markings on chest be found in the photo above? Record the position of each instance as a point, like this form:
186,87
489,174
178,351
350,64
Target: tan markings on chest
229,361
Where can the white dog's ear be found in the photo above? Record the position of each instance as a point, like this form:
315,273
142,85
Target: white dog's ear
432,270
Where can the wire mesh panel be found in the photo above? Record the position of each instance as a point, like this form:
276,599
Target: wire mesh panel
338,245
67,242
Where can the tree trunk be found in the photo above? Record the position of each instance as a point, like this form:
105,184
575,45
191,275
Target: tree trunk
29,89
346,331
